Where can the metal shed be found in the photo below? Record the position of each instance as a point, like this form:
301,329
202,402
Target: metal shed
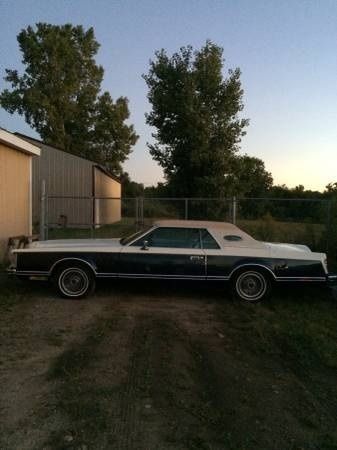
79,191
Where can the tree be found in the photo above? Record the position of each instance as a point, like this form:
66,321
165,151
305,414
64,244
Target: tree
196,115
331,189
59,95
252,179
131,188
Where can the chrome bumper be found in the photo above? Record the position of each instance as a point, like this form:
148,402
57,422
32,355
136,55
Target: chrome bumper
331,278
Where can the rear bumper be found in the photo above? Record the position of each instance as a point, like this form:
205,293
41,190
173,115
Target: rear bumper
331,278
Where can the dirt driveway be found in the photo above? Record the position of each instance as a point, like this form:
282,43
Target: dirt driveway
160,366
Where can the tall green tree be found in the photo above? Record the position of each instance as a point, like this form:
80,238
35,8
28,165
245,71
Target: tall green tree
131,188
251,178
196,113
60,96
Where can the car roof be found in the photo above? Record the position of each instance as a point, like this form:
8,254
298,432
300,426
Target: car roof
218,229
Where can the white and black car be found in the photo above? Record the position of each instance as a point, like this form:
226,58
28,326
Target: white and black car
173,249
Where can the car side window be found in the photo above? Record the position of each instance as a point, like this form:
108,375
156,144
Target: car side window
208,241
171,238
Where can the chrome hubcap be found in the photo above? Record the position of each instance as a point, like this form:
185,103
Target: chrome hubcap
251,285
73,282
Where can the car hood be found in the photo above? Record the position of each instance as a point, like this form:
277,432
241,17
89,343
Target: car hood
74,243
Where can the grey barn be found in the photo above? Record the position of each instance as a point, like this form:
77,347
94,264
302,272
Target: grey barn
67,175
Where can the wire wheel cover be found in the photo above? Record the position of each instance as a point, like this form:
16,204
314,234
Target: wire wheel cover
73,282
251,285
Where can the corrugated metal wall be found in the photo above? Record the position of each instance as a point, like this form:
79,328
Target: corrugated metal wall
109,210
65,175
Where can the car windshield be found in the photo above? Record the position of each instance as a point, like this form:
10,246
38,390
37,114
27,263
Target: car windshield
126,240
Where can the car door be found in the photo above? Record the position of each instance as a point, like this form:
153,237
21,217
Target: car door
218,263
170,252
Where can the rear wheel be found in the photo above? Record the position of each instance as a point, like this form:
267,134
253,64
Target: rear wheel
251,286
74,281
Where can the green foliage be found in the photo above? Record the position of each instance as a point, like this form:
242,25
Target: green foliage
270,230
196,114
331,189
59,95
131,188
251,177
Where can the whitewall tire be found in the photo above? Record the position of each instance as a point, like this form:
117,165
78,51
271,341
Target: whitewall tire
74,282
251,286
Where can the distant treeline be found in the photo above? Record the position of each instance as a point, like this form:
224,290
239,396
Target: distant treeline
280,202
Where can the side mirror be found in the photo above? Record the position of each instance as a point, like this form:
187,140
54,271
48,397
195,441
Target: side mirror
145,245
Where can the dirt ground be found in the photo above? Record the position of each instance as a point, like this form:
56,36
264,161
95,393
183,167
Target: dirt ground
157,365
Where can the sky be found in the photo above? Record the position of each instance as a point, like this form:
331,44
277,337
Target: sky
286,50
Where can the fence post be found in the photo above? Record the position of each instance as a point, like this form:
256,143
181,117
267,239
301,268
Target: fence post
328,226
142,211
136,212
234,205
186,208
46,222
43,211
93,224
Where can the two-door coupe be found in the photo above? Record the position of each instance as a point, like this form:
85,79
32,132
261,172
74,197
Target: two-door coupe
173,249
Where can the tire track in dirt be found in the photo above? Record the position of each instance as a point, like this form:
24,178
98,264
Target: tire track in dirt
159,371
45,328
165,403
127,423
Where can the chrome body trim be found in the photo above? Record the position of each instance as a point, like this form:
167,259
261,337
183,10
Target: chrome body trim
300,279
152,276
251,265
72,259
331,279
31,272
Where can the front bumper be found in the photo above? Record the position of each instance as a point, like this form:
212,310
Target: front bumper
331,278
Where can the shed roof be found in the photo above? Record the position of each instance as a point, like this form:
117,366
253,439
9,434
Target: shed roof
42,145
15,142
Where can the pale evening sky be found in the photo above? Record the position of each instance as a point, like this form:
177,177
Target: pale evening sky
287,51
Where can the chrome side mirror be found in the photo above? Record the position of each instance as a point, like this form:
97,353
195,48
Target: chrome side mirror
145,245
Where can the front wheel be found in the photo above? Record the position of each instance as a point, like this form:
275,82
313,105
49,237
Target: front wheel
74,282
251,286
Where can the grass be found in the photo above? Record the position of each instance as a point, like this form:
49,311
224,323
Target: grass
304,328
125,227
268,229
297,330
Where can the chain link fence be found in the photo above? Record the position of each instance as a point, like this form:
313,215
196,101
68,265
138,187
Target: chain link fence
302,221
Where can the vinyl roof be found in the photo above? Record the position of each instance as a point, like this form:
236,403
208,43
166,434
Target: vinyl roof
219,229
225,226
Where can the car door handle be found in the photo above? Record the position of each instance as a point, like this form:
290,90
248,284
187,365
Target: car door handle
196,258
